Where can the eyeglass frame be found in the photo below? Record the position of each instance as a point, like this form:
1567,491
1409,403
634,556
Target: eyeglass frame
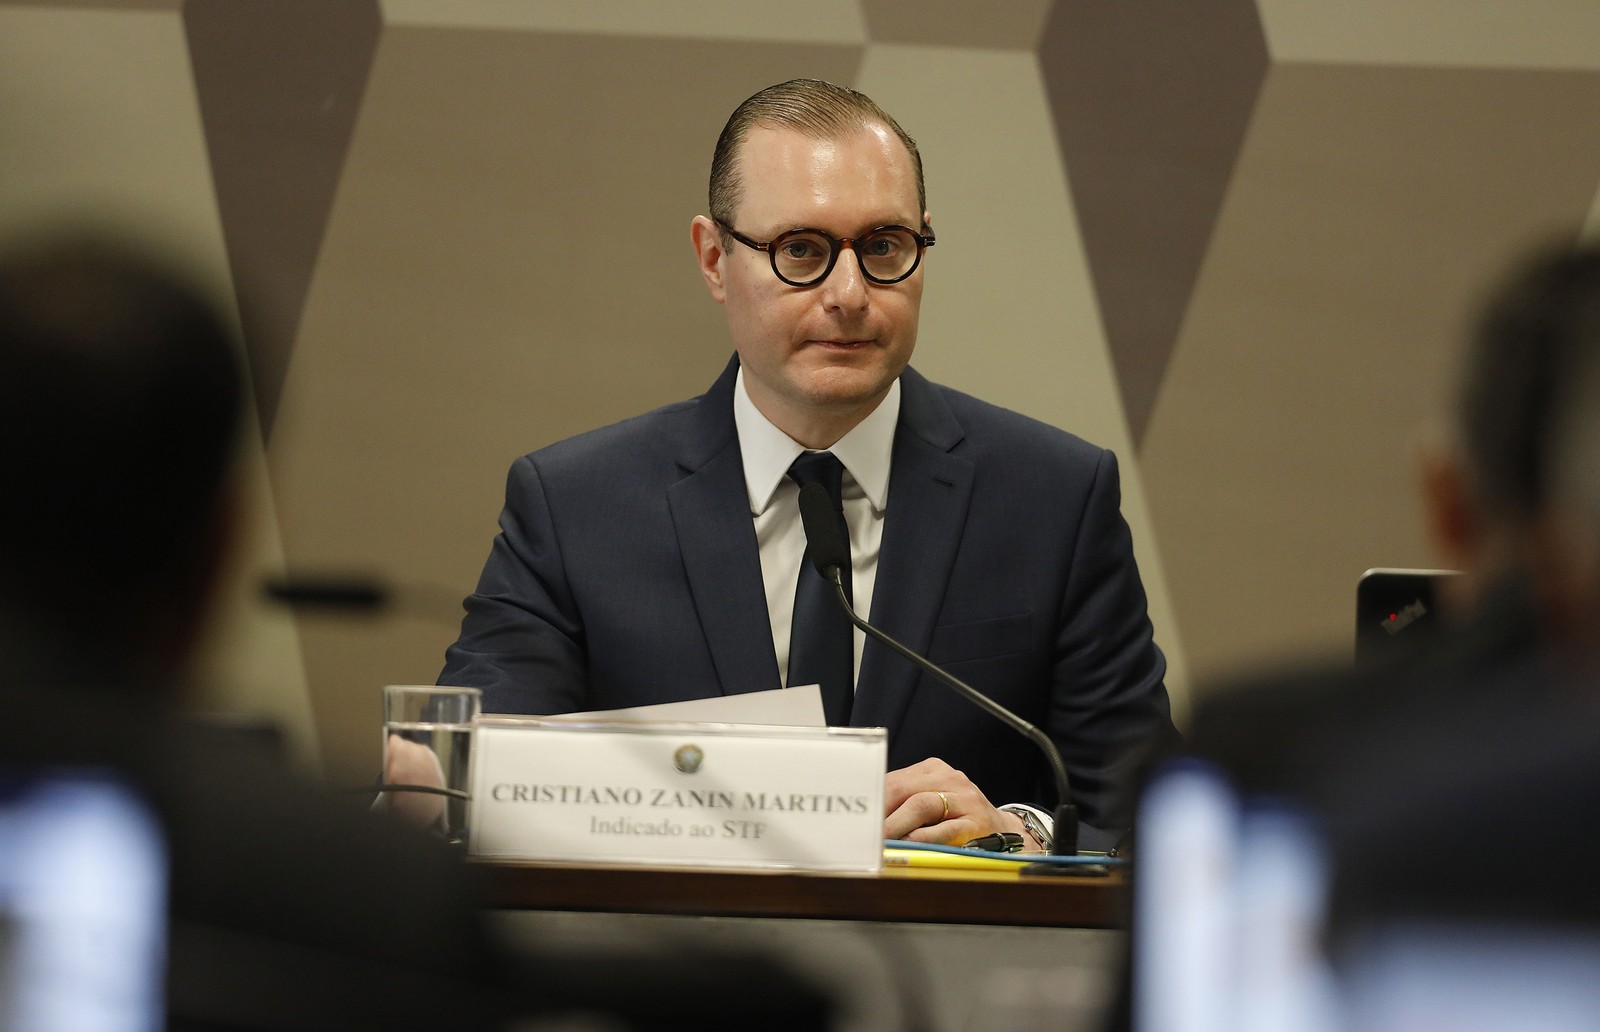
837,246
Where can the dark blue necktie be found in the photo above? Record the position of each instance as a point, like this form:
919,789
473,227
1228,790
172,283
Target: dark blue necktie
821,640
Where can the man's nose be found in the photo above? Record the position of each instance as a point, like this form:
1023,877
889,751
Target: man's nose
846,287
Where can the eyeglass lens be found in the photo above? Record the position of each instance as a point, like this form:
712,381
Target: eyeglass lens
805,256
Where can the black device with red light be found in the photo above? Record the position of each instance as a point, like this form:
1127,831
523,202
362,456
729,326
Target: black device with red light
1397,609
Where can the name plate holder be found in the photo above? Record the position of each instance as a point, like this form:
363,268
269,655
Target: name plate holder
677,794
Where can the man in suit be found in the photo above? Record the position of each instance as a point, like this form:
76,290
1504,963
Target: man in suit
658,559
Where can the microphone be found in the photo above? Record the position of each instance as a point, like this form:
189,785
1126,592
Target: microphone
316,592
829,552
347,593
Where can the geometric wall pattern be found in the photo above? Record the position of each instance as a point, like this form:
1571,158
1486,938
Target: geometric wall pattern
1150,103
279,87
1234,241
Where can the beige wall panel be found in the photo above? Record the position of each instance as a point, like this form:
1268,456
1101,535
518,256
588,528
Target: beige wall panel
817,21
110,5
1010,25
1009,311
1369,209
1476,33
507,264
1591,227
99,126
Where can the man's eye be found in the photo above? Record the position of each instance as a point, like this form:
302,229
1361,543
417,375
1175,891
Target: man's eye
800,250
882,247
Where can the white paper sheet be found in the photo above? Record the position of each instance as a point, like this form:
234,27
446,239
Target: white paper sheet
786,707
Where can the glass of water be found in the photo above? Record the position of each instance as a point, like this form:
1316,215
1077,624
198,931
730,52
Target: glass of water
427,754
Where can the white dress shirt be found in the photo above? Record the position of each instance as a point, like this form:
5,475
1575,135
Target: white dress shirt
865,452
768,452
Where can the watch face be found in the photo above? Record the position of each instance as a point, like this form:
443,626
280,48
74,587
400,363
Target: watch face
1030,821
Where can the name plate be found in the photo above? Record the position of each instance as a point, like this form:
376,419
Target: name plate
720,795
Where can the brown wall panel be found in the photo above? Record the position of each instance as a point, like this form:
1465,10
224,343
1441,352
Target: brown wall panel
279,86
1151,103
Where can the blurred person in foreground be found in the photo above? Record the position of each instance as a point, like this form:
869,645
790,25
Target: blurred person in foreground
119,399
1499,495
1479,908
1448,792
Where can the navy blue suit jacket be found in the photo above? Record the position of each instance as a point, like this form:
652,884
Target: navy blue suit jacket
626,572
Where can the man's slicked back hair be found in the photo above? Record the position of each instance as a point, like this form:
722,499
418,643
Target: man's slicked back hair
817,109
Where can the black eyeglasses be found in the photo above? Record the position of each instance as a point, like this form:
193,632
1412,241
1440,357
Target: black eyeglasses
802,257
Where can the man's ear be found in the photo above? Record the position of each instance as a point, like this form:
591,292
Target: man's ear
709,252
1452,516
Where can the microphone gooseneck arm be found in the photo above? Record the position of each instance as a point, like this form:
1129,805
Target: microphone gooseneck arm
830,553
1023,727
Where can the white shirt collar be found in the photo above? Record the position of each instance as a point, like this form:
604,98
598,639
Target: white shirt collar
768,452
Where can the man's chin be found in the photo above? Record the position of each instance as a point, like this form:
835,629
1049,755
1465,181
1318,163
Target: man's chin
853,405
846,386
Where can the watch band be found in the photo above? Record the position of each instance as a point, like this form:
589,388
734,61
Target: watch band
1036,827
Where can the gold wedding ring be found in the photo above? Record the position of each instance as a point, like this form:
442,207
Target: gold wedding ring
946,801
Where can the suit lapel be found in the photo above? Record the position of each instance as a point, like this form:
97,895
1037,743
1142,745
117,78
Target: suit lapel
927,511
717,539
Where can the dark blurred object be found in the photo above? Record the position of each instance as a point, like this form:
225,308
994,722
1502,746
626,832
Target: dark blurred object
348,594
1453,820
119,400
323,593
1397,609
1294,733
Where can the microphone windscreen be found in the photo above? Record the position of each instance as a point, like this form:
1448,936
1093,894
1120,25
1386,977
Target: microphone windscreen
348,593
825,540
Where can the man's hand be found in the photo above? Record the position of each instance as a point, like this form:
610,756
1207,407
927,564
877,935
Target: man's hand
407,763
931,801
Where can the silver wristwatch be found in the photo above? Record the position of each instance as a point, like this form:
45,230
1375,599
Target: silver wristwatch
1036,827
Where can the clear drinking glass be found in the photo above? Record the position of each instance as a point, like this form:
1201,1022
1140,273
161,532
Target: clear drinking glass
427,754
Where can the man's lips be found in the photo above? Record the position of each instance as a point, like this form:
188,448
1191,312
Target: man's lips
840,343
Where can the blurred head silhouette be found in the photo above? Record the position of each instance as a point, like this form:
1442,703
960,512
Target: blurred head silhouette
1503,501
119,397
1567,552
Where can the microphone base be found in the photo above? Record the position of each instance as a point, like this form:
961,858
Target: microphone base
1065,840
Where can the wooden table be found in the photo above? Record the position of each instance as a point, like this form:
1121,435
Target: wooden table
918,895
